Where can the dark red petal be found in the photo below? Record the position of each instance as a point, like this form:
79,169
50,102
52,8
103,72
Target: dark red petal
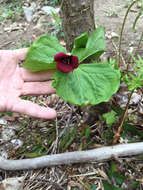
64,67
74,62
60,56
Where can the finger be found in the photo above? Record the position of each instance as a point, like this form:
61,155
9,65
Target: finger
20,53
32,109
37,88
36,76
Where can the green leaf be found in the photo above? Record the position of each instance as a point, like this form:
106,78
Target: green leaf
115,174
41,54
119,178
132,129
110,117
108,186
34,154
89,84
93,187
80,42
91,48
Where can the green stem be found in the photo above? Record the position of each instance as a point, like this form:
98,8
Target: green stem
122,29
139,44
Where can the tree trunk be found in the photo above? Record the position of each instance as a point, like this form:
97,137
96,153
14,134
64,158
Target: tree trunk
77,17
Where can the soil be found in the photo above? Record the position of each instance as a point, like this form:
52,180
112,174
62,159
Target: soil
110,14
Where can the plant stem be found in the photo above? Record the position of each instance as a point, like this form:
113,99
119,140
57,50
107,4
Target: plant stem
117,134
122,29
141,38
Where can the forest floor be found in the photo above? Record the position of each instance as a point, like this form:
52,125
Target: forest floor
30,137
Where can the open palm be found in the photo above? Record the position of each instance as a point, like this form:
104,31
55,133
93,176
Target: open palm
16,81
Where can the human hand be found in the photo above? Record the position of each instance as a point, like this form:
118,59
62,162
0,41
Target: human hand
16,81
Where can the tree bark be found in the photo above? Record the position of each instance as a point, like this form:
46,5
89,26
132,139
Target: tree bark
77,17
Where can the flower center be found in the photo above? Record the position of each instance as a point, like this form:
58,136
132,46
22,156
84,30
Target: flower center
67,60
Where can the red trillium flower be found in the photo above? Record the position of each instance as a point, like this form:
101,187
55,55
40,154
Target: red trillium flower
66,63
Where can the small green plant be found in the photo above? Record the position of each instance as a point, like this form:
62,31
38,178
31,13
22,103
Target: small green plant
112,13
67,139
110,117
119,178
135,80
9,11
57,26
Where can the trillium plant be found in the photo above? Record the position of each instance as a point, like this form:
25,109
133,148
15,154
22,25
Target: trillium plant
78,83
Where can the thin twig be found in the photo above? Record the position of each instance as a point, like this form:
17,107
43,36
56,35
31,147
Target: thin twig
117,134
55,145
56,185
95,155
122,29
139,44
117,53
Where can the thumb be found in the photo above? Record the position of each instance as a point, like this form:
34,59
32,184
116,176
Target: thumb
32,109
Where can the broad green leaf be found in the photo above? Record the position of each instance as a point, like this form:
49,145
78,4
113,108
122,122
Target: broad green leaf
80,42
89,84
41,54
108,186
91,48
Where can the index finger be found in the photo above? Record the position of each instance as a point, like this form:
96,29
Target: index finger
36,76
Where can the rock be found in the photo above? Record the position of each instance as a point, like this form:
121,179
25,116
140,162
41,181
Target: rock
7,133
3,122
14,26
130,51
28,11
139,5
122,99
3,153
15,183
110,35
17,143
48,10
140,106
135,99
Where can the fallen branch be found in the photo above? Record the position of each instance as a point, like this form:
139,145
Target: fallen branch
94,155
